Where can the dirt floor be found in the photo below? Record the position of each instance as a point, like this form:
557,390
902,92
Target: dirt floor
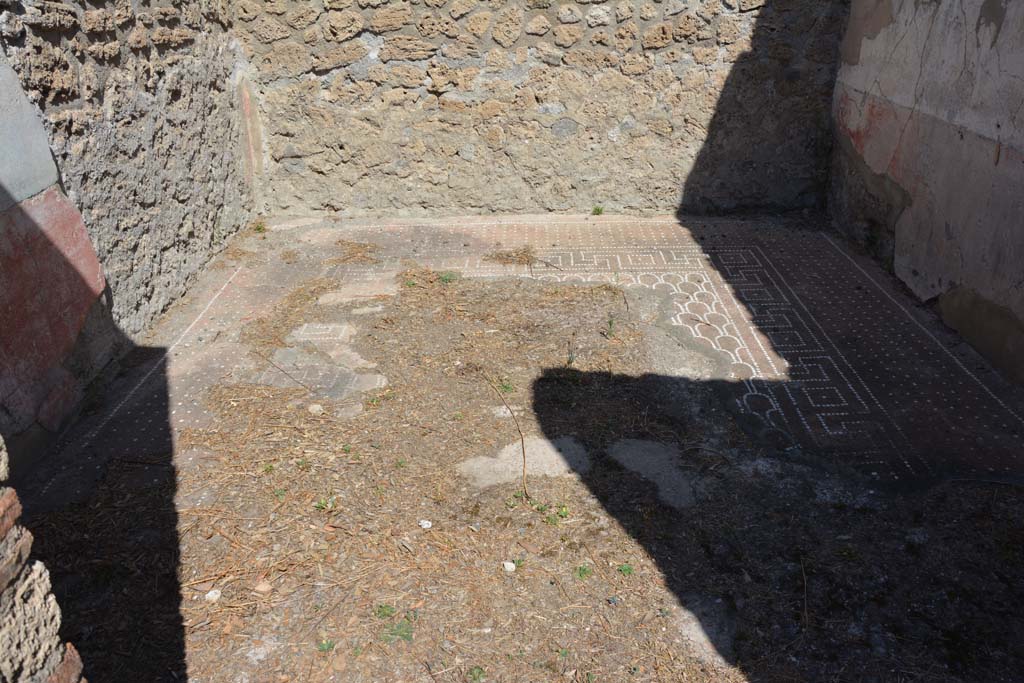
379,527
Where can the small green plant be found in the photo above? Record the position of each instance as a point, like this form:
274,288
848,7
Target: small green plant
324,504
563,511
384,611
303,465
476,674
259,226
609,330
279,494
506,387
518,562
570,356
401,463
541,507
448,277
401,630
458,416
591,678
551,520
325,645
597,211
583,572
410,283
626,569
268,468
346,449
563,652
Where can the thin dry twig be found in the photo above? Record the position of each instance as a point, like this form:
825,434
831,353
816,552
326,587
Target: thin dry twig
283,371
522,437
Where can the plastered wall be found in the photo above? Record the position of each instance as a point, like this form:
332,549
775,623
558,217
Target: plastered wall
928,170
55,334
140,101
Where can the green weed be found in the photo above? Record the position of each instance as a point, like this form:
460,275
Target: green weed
401,630
384,611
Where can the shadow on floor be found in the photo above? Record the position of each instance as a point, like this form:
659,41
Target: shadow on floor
100,504
793,573
809,582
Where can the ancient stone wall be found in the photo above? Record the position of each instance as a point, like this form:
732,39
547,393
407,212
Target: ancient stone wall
140,103
929,160
420,106
29,615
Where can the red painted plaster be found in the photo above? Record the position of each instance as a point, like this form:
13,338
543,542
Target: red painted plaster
49,279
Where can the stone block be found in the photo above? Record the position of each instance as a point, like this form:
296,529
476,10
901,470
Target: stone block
538,26
340,26
10,506
70,668
14,551
567,35
29,624
406,48
508,26
390,18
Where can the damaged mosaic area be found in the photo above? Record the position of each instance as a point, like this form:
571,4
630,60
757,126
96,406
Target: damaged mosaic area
630,450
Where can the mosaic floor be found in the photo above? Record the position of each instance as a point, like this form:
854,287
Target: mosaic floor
821,345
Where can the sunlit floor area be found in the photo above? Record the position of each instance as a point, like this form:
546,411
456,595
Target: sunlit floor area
593,448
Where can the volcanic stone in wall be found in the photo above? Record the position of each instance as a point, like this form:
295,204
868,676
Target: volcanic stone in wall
546,105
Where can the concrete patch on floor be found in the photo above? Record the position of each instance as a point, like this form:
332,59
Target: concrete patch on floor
367,310
504,411
558,458
323,362
343,355
708,626
659,464
322,332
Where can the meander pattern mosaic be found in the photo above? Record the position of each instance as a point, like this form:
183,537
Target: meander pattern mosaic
818,346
